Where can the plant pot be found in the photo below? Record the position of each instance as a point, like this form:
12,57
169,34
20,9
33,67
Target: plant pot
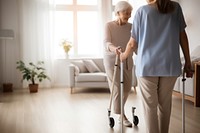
7,87
33,88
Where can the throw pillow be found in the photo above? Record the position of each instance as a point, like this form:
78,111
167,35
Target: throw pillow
91,66
81,66
77,70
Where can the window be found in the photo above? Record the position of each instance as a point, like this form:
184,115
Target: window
81,22
78,22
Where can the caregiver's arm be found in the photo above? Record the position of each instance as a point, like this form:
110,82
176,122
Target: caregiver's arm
130,48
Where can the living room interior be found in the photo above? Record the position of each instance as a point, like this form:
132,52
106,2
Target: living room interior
37,29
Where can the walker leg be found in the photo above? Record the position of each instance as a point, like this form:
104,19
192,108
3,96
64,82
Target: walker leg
135,118
183,104
111,120
121,96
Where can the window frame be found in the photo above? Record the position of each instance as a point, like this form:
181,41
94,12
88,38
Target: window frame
74,8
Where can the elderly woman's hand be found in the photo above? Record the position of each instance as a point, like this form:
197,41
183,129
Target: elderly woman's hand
118,50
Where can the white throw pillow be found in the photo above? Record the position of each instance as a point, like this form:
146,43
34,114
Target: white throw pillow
80,65
91,66
77,70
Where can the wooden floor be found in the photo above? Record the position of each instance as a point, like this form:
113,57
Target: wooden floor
55,110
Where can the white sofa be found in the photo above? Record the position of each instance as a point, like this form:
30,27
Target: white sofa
89,73
79,75
189,83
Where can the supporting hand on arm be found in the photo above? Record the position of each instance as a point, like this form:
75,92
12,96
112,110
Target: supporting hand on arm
130,48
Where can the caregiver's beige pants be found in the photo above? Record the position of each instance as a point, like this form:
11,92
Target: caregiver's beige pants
157,99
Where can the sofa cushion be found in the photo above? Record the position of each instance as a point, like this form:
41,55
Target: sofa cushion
91,66
91,77
80,65
99,63
77,70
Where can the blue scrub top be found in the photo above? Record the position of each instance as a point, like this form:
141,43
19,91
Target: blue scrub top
157,36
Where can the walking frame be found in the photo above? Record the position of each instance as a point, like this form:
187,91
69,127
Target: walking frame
111,120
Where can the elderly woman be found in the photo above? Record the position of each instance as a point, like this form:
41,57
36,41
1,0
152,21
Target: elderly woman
117,34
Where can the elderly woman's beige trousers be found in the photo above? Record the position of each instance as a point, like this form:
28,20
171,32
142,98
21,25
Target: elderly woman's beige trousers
127,77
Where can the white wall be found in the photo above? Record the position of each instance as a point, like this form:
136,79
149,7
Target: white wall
191,9
9,19
10,51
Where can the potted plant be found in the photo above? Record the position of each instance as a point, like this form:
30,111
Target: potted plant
32,73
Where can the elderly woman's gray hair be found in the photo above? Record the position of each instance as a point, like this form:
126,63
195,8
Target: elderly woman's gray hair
122,6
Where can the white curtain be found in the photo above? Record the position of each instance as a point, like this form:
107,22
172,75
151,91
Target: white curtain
36,34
